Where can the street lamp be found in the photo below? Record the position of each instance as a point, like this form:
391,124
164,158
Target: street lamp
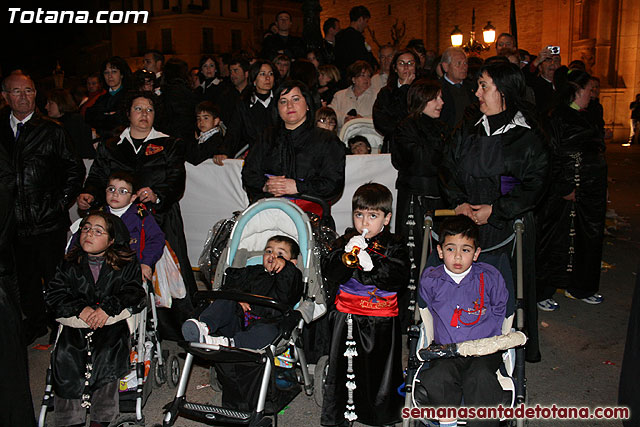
474,46
456,37
489,33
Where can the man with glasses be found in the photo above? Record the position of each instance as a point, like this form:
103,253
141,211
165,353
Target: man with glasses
457,95
48,177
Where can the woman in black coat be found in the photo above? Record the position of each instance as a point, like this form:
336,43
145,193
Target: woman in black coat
295,157
391,104
572,218
61,107
107,114
496,171
416,152
156,160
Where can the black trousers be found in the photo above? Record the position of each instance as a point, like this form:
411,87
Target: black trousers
36,260
447,381
105,407
223,319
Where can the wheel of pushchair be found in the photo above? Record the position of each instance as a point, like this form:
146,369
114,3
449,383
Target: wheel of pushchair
319,377
159,373
126,420
173,367
213,380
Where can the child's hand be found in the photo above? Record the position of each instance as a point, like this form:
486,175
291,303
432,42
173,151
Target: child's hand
85,313
218,158
147,272
364,259
97,319
358,241
245,306
275,265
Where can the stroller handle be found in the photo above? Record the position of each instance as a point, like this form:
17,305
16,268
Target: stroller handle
326,209
244,297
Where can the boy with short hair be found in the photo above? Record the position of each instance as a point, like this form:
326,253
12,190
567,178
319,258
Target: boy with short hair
468,301
365,359
209,142
147,239
277,277
359,145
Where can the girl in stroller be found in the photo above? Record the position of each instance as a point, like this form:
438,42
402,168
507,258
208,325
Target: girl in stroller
97,285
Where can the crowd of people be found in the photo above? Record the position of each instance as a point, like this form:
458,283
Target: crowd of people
515,136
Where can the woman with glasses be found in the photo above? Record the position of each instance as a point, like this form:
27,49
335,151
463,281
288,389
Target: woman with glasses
254,112
156,161
107,115
391,104
357,100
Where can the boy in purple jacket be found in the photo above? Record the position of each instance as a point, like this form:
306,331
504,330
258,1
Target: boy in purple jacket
147,239
468,301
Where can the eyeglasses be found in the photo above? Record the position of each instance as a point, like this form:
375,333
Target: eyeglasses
96,231
139,109
122,191
17,92
406,64
327,122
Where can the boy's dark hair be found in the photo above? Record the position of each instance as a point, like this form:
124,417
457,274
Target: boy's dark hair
372,196
329,24
126,177
359,138
119,253
208,107
459,224
293,245
358,12
285,12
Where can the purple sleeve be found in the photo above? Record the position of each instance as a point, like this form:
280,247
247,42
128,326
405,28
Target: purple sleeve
426,286
498,296
153,241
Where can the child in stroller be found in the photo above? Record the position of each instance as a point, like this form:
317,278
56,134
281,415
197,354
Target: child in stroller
96,287
277,277
468,301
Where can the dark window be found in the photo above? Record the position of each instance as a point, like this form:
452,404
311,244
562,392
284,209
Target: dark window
207,40
167,43
141,4
165,4
206,5
141,38
236,39
234,6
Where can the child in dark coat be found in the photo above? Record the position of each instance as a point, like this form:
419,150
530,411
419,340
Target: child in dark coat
277,278
96,287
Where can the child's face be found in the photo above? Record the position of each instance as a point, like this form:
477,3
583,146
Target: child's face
94,238
372,219
205,121
458,253
359,147
119,194
275,249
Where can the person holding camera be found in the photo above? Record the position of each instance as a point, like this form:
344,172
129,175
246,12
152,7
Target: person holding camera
539,77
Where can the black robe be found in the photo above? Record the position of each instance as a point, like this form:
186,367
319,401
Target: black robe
473,169
71,290
378,365
571,233
388,110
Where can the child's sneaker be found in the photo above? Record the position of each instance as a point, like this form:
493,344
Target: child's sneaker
593,299
195,331
223,341
548,304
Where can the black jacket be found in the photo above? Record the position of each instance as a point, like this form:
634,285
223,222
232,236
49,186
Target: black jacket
276,44
390,264
80,134
389,109
453,112
196,152
71,290
177,110
107,115
248,122
285,287
48,174
416,152
312,156
350,48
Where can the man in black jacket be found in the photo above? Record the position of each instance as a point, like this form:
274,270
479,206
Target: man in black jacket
350,45
281,42
48,176
456,94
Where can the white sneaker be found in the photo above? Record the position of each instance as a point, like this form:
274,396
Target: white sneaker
223,341
195,331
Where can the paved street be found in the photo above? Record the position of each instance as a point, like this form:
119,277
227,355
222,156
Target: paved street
582,345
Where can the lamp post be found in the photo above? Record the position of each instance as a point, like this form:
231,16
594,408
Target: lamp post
456,37
474,46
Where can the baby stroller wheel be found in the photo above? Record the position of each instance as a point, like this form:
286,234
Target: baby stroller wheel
319,377
126,420
173,365
213,380
159,373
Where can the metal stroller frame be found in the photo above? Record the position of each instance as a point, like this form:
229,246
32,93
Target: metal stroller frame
312,307
414,362
138,328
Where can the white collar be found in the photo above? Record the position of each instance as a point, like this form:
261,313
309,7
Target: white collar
13,120
518,120
205,135
457,277
352,94
265,103
447,79
126,135
119,211
215,81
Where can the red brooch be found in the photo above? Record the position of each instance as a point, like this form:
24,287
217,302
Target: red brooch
153,149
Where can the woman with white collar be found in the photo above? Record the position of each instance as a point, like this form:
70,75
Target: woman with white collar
156,161
496,171
357,100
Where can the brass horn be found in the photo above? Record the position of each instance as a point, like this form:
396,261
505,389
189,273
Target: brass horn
350,259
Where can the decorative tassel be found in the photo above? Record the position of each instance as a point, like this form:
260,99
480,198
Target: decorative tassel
86,397
350,352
